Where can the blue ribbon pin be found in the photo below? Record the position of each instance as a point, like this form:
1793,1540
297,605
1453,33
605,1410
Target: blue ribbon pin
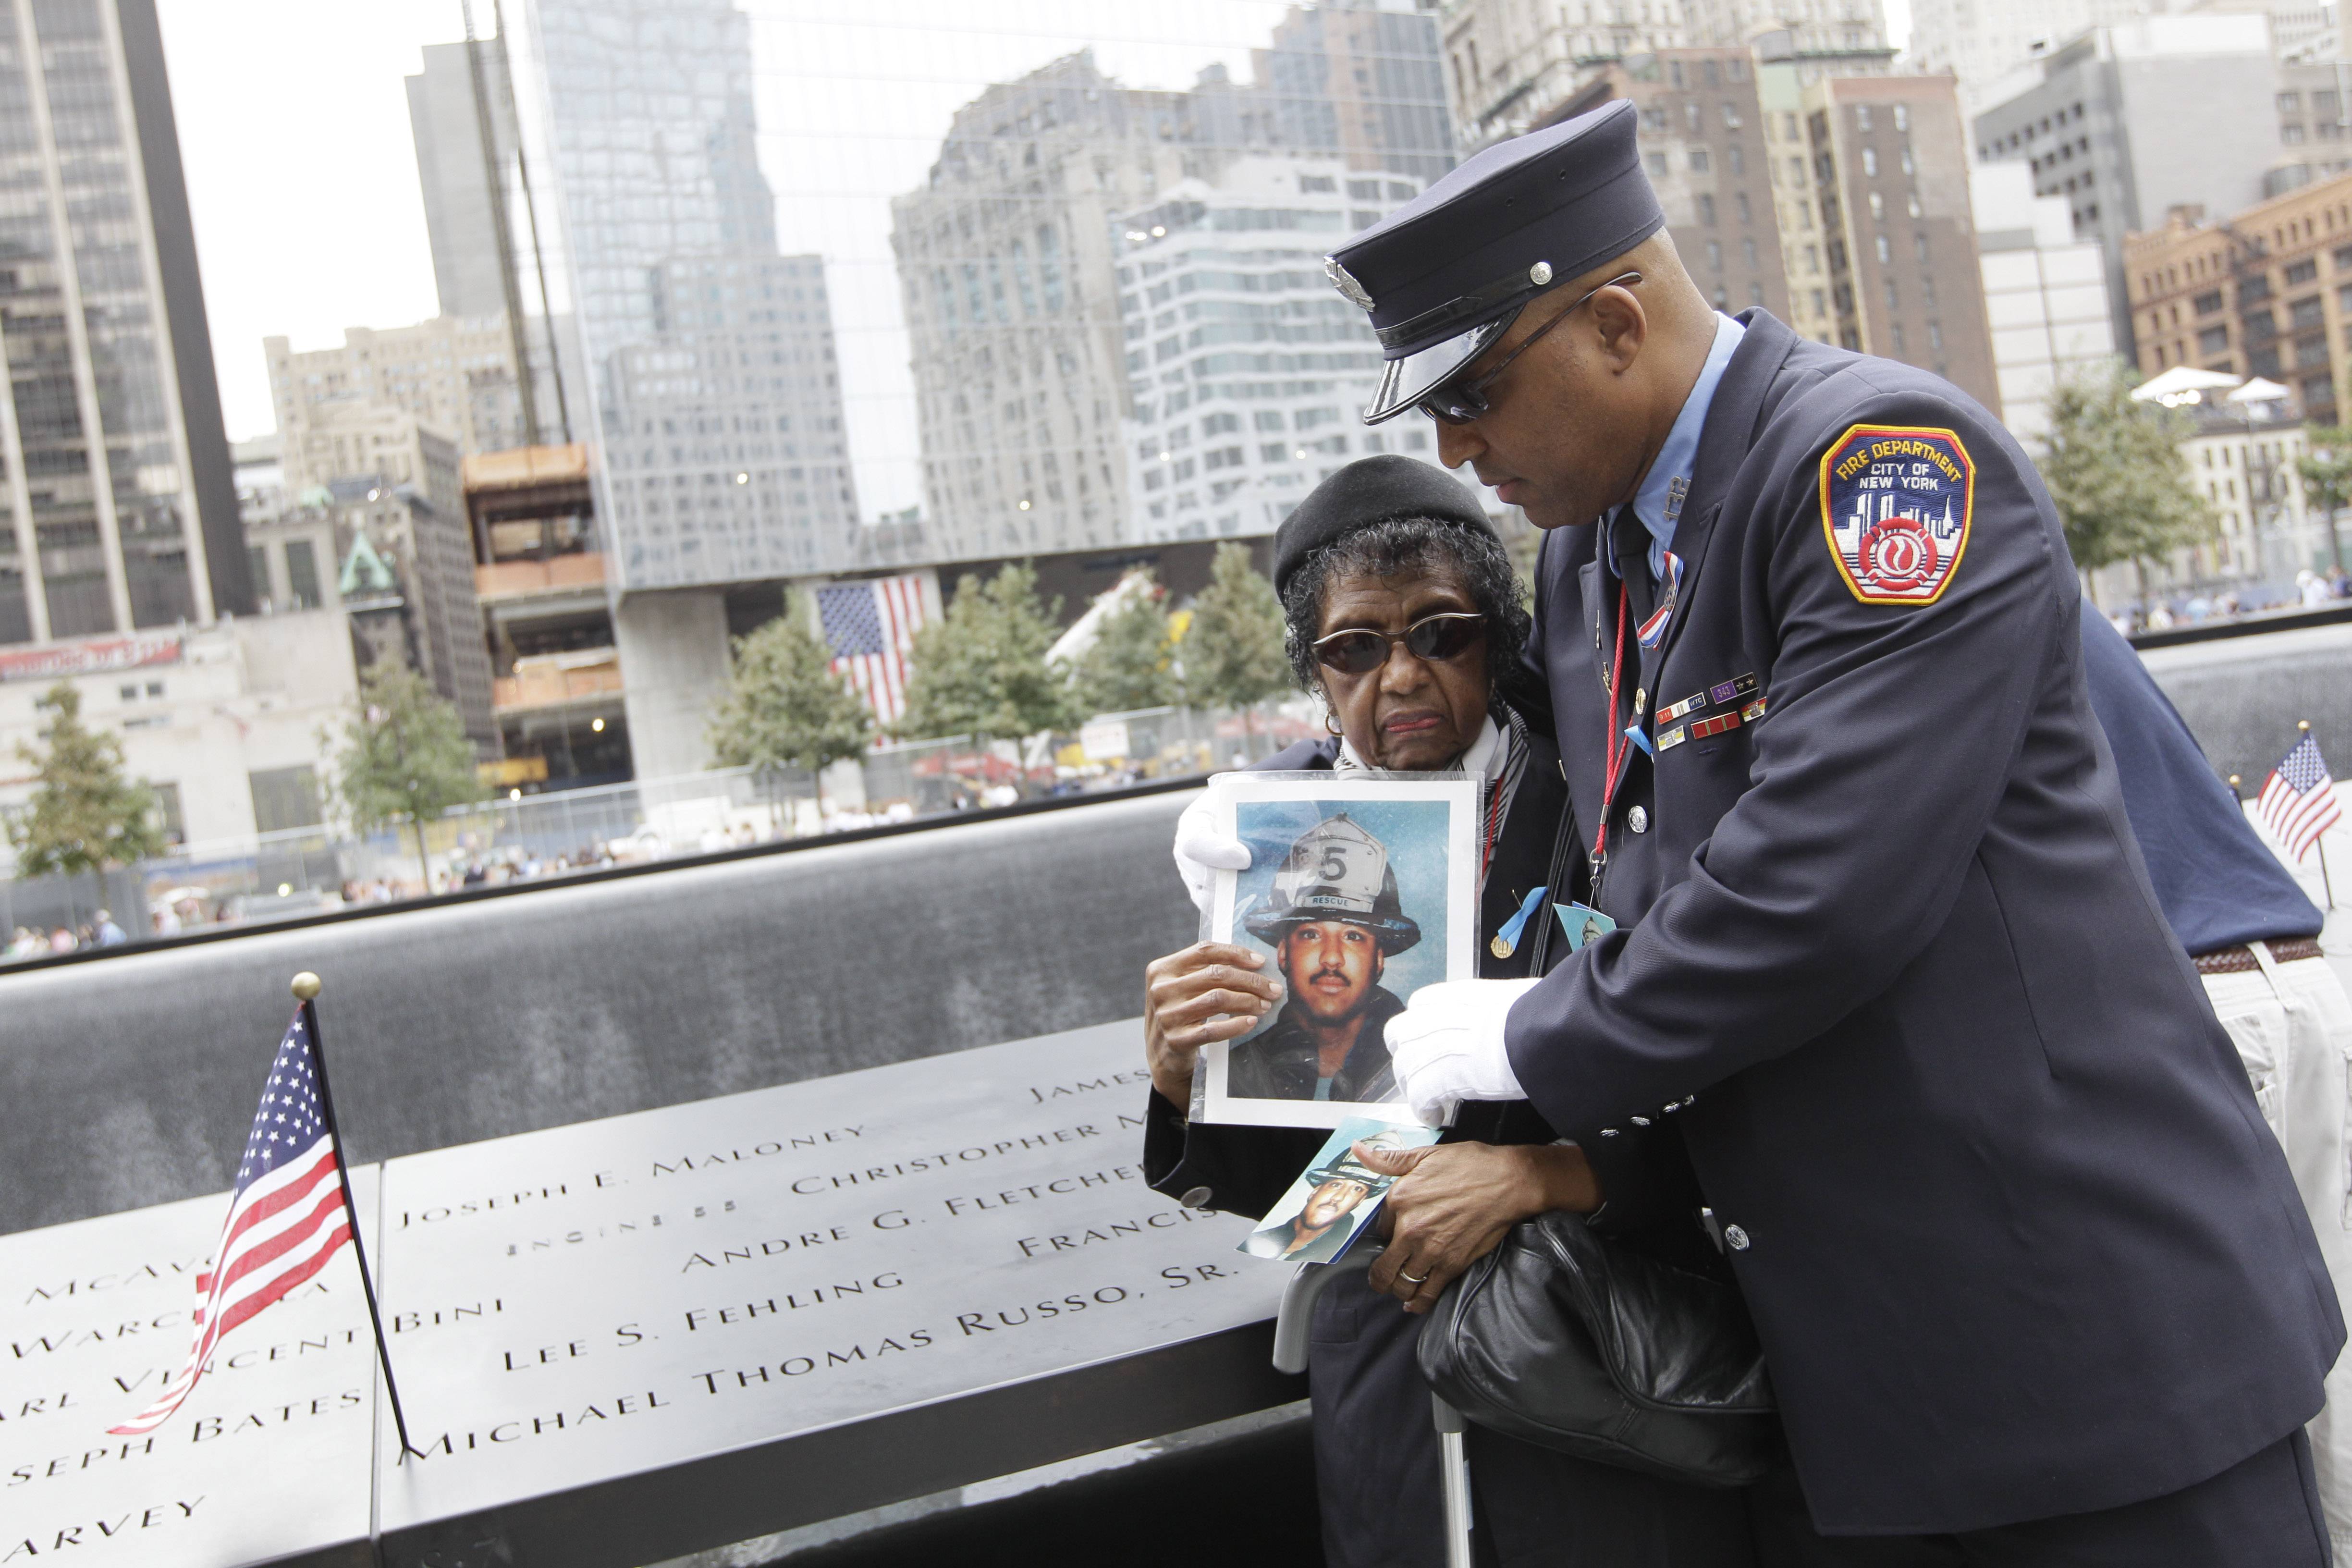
1507,941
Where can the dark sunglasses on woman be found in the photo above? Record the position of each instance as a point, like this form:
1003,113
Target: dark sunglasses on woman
1432,639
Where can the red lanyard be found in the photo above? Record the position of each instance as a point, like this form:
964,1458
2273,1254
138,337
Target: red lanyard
1614,745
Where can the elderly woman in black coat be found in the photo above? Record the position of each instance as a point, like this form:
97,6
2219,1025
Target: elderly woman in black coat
1405,617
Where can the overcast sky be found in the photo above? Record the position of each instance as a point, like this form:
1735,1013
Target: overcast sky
294,132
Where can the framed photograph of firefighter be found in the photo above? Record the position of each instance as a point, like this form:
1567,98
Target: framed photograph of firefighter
1359,893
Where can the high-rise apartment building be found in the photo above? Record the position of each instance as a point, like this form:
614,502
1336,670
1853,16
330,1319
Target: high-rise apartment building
1891,175
1006,273
118,503
1702,136
2129,122
1361,78
1006,261
1246,373
1512,64
456,373
2266,291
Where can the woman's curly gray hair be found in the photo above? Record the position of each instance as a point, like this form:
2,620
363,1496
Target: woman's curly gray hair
1399,547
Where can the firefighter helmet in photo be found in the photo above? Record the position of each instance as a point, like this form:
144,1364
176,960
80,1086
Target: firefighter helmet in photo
1336,871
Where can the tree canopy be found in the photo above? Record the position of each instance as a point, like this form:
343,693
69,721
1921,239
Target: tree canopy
786,707
981,670
1131,661
405,755
85,815
2327,474
2116,470
1233,651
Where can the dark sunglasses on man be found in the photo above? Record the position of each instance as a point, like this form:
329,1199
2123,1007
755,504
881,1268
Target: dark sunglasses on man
1460,402
1432,639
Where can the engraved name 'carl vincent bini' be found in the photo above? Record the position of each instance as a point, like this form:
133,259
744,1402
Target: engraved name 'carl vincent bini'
130,1522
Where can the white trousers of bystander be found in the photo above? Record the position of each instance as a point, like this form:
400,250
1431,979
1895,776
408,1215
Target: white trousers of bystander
2291,1024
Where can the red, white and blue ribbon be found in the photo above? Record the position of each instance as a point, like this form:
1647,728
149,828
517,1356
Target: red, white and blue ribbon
1650,632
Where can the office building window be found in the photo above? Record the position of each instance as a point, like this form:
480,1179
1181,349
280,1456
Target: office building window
284,798
302,575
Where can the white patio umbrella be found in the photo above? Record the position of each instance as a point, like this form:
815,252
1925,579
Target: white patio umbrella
2183,383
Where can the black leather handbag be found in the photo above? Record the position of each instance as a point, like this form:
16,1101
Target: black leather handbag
1560,1339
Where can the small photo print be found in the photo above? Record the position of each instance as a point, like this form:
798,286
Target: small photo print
1359,893
1334,1198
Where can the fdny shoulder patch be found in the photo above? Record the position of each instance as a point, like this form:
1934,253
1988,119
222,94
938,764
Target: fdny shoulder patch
1896,507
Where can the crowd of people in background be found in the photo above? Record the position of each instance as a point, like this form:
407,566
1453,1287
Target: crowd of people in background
2314,590
99,930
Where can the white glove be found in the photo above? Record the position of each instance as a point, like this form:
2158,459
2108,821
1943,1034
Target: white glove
1203,848
1447,1046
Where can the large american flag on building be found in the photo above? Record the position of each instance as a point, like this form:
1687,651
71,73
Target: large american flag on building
2298,800
286,1218
870,626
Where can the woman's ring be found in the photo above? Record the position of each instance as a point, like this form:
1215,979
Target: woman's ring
1409,1280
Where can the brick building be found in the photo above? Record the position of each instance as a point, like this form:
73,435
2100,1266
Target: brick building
2265,293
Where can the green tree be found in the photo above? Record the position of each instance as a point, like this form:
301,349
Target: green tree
786,706
85,815
2327,474
2114,469
405,755
981,670
1233,651
1131,662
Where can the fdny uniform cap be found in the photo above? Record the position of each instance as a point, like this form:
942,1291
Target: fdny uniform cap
1447,273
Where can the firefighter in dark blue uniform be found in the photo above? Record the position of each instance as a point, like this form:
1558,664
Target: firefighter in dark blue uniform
2032,1275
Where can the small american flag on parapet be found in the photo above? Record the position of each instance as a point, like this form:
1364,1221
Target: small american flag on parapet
2298,800
870,626
286,1217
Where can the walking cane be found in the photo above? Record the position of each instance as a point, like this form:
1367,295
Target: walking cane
1292,1326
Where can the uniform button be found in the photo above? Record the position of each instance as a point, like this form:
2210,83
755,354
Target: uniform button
1608,1132
1734,1238
1197,1198
1641,1122
1637,819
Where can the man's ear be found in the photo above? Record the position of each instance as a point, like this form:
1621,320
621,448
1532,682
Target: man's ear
1621,327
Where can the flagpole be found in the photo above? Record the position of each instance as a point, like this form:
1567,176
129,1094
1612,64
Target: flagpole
307,986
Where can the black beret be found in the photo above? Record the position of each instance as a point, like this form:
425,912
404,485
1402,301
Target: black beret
1444,274
1371,491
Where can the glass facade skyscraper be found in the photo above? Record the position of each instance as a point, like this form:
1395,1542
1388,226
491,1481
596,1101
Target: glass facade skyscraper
118,506
709,358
